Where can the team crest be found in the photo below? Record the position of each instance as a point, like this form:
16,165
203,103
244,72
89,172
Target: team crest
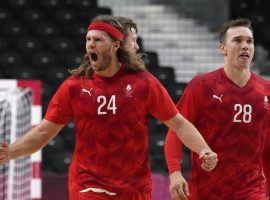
128,91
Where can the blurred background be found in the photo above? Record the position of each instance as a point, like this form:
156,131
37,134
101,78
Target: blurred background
178,38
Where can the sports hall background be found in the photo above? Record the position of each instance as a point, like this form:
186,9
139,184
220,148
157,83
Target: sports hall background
41,39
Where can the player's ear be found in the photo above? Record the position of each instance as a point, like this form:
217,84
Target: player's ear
222,49
116,45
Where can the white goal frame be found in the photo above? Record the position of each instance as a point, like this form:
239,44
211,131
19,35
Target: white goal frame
36,115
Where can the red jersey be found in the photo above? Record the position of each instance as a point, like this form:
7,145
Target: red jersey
111,127
234,121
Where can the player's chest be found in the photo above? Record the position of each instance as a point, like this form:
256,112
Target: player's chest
110,98
248,105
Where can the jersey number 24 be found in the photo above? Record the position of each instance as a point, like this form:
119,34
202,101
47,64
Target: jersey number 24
106,105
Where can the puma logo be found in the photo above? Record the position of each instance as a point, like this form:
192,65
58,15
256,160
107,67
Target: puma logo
219,98
87,91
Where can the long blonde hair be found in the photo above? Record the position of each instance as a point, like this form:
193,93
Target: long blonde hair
133,61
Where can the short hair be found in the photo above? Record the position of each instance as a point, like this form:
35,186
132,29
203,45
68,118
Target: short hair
233,23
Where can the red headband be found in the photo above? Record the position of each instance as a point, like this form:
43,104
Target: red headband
107,28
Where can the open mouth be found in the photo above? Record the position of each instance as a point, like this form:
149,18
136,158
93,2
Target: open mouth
93,57
244,55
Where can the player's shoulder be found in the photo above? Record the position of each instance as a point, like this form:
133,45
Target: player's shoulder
207,78
145,75
261,79
71,81
261,82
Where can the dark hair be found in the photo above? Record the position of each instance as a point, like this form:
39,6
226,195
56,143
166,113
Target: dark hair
233,23
133,62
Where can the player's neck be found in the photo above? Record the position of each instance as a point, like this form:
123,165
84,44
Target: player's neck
111,70
239,76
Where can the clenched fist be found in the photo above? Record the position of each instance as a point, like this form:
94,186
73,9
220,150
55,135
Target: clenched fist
209,159
4,152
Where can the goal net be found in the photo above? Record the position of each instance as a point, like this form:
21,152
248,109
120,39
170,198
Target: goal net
17,181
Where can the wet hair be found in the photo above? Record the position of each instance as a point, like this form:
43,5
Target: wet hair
132,61
233,23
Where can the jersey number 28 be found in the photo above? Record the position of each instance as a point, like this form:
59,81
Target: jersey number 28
243,113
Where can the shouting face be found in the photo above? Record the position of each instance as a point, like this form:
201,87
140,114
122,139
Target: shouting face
101,50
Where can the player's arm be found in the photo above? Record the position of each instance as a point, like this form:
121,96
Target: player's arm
191,138
173,154
31,142
178,186
187,133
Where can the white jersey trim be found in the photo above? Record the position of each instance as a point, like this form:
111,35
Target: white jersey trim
98,190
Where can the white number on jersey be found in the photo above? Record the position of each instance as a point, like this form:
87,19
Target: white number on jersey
246,110
102,100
